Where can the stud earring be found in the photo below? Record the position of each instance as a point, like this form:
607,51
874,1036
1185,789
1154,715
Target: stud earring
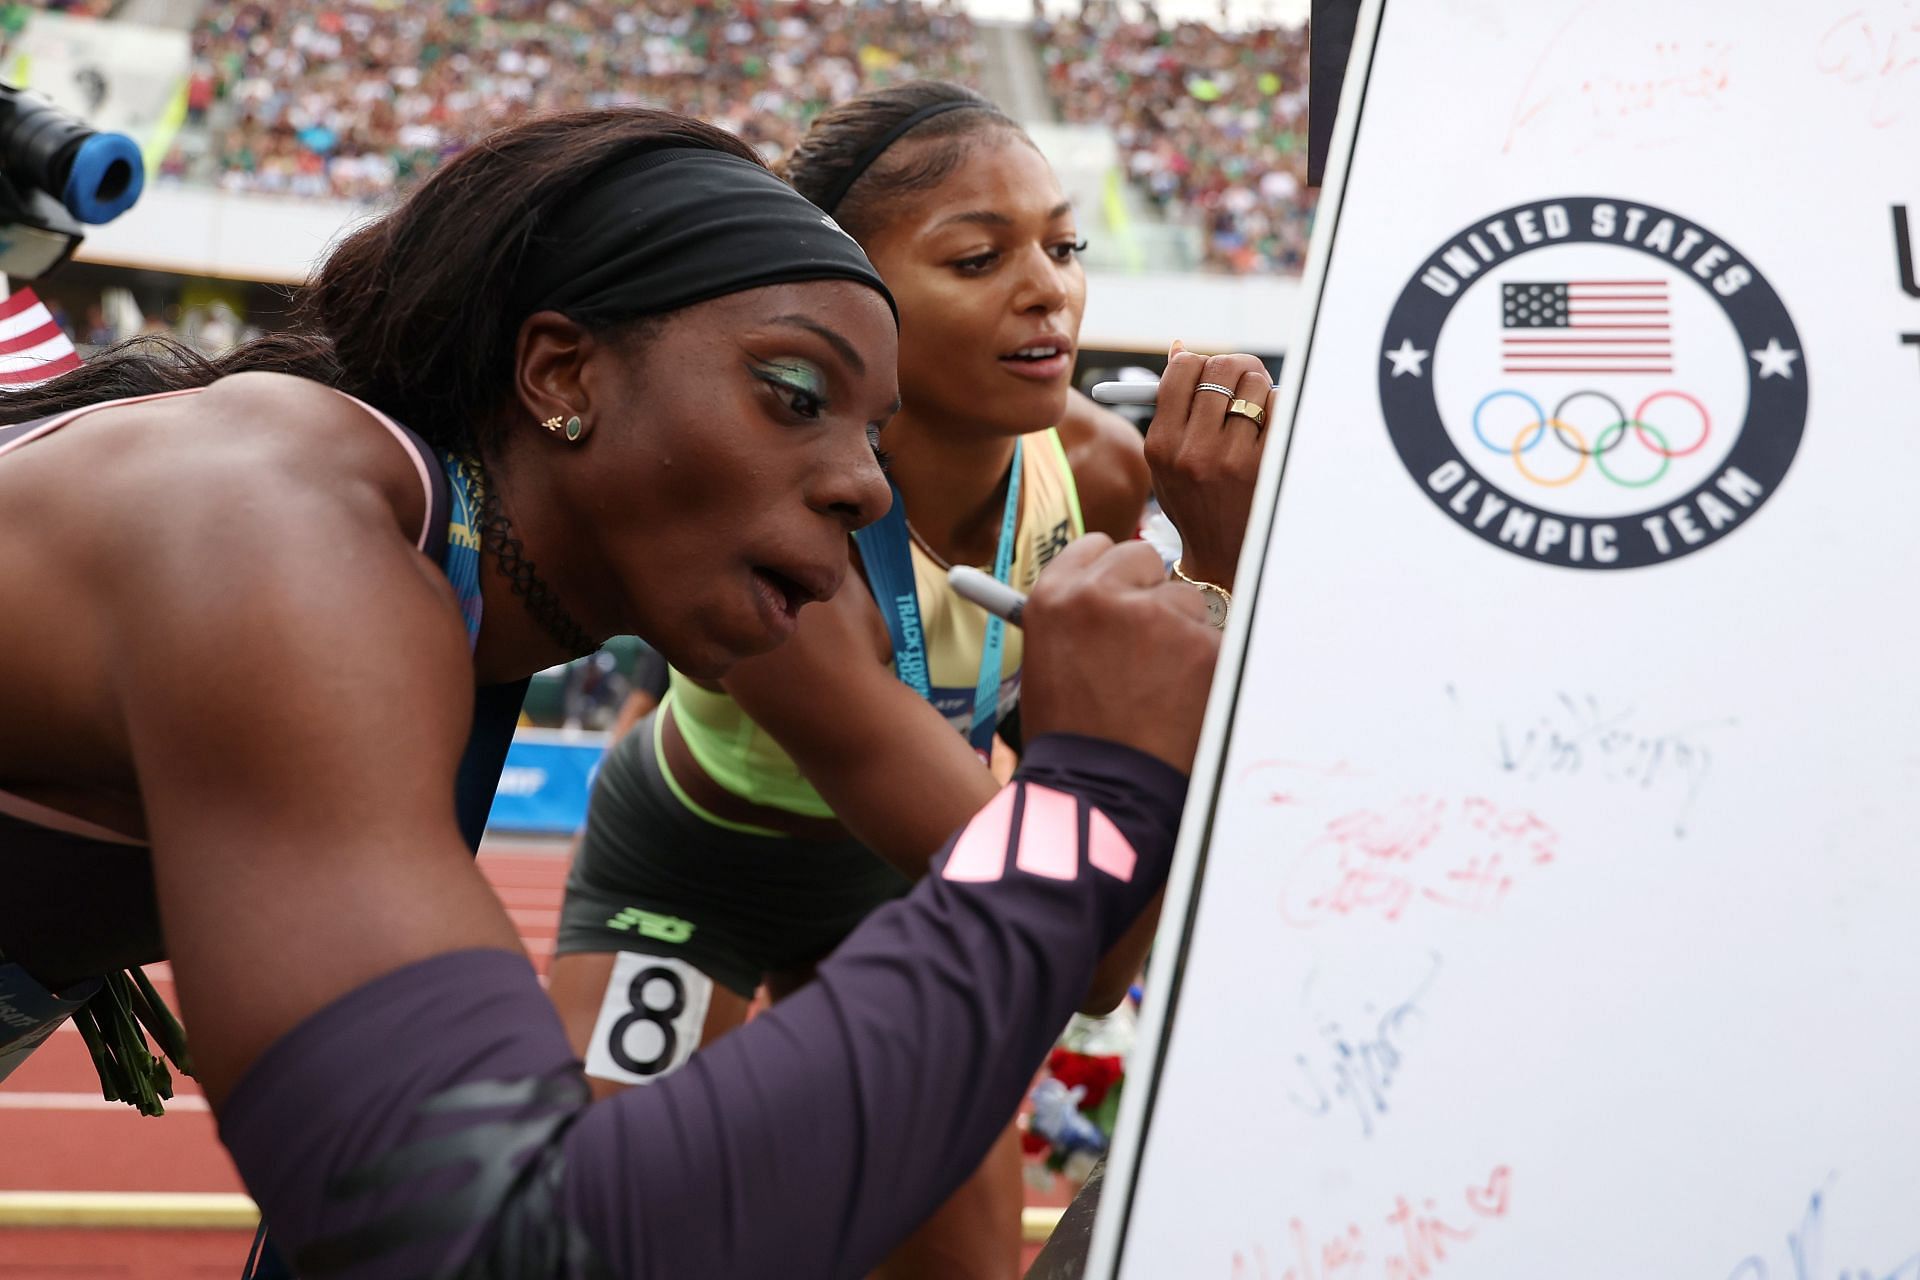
572,428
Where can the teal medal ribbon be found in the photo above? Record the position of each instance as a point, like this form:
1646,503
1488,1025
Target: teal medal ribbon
886,552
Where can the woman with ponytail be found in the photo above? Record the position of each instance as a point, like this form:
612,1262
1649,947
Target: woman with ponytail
739,834
266,622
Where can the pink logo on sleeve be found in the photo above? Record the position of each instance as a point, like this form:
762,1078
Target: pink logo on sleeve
1049,840
981,853
1109,851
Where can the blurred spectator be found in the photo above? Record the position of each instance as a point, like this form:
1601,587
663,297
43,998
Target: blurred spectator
78,8
14,15
98,333
593,692
214,329
1213,125
349,98
649,685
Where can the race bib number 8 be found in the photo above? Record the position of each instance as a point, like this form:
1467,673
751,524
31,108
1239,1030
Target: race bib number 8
650,1018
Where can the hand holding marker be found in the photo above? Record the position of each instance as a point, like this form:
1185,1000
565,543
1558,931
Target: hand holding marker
987,591
1003,601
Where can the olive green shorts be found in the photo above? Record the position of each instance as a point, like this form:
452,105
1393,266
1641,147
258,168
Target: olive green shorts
654,877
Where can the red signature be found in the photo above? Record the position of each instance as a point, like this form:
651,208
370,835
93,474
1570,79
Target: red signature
1643,95
1876,47
1457,855
1413,1243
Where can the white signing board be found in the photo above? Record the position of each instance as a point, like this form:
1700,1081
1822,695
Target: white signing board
1549,899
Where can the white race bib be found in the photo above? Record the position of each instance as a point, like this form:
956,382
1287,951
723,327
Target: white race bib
650,1018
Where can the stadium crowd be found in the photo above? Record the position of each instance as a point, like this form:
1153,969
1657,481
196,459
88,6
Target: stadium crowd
1213,125
77,8
351,97
14,15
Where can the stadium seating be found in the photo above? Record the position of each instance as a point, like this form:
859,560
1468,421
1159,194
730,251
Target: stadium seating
351,98
1213,125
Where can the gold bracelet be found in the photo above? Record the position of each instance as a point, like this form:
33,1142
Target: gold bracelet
1219,599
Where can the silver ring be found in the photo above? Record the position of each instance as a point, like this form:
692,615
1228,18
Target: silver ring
1214,386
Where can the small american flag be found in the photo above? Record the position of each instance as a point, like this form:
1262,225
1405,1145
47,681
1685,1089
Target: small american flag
33,347
1586,326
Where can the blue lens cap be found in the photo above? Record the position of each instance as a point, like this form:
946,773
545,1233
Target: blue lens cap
106,178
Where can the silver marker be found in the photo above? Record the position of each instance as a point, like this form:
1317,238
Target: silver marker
1125,392
987,591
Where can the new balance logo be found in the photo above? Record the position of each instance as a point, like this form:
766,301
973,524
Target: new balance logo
1049,839
649,924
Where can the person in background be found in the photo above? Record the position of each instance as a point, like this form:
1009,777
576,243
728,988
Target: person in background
647,685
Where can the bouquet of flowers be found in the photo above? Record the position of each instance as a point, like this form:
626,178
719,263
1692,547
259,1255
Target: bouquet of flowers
1077,1097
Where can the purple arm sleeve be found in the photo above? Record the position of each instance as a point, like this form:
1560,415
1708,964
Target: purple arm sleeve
816,1138
435,1122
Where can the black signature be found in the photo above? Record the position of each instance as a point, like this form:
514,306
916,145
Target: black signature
1584,735
1358,1070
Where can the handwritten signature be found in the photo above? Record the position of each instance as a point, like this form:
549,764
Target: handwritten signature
1425,851
1806,1253
1584,735
1414,1246
1360,1068
1643,94
1875,48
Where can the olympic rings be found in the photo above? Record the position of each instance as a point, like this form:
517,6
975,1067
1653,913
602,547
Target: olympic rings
1619,414
1611,437
1491,396
1560,429
1706,423
1666,455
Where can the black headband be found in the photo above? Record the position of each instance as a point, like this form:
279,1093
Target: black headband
634,242
838,192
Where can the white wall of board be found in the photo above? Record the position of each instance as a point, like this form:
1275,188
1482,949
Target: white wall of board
1547,903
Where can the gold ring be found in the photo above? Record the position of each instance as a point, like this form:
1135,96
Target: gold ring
1249,410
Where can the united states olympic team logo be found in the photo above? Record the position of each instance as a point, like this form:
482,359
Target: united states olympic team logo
1593,383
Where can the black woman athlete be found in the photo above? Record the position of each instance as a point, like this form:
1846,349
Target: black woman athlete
239,691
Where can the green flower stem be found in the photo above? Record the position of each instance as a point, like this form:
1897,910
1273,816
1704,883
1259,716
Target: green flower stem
145,1080
165,1028
102,1064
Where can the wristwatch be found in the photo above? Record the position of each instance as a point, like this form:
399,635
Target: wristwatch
1218,598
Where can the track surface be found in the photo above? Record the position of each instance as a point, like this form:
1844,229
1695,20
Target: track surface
57,1135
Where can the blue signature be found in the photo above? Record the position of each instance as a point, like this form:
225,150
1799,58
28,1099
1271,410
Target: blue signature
1806,1252
1358,1071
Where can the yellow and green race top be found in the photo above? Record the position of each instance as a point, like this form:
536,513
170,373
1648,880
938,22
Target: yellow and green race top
742,757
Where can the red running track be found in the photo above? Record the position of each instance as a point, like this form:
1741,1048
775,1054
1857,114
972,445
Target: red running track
56,1134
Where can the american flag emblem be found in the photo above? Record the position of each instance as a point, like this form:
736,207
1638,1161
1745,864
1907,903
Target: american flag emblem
1586,326
33,347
